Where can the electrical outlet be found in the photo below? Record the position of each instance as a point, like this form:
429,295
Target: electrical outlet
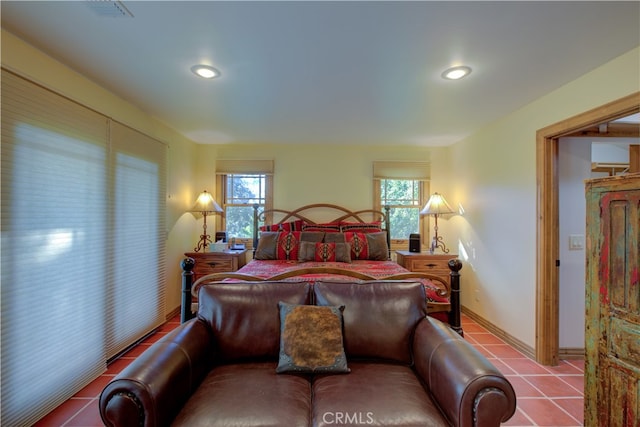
477,295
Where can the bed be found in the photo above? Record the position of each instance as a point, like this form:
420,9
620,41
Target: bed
343,246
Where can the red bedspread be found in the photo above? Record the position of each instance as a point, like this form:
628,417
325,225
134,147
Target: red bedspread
378,269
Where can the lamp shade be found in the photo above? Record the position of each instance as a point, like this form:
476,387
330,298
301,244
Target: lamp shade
206,203
436,205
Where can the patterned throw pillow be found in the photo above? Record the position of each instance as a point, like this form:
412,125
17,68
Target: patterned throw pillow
361,227
284,226
326,228
324,252
288,245
311,339
368,246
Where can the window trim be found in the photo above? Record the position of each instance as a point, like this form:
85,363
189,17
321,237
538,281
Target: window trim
221,191
402,244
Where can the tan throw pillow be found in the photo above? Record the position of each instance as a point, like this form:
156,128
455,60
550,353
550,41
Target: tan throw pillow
311,339
267,245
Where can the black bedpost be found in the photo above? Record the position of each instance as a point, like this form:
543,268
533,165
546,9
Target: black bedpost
187,265
255,228
454,315
387,226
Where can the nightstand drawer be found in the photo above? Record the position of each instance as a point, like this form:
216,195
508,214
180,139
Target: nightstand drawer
434,266
216,262
424,262
209,266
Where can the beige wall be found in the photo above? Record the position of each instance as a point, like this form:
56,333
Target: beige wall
338,174
494,177
489,176
181,227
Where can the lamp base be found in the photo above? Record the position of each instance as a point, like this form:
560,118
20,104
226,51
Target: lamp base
203,243
436,243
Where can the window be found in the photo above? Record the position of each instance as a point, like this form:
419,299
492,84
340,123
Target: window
403,187
403,198
82,245
240,185
242,193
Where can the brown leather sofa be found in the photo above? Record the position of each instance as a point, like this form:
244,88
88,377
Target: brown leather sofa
219,369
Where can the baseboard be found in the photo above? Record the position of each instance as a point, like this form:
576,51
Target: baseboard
175,312
504,336
571,353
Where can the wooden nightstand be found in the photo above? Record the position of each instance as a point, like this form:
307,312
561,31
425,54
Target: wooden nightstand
208,263
217,262
426,262
438,265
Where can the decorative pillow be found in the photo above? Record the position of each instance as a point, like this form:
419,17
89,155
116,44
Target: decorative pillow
288,245
311,236
269,227
311,339
284,226
324,252
335,238
371,246
361,227
267,245
327,228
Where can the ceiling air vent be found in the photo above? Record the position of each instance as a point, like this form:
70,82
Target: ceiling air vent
109,8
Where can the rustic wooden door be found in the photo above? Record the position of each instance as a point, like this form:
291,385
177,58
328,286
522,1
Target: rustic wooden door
612,369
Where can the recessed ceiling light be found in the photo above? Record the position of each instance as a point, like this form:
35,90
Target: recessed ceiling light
205,71
456,73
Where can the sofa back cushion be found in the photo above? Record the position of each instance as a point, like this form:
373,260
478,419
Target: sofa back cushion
244,317
379,317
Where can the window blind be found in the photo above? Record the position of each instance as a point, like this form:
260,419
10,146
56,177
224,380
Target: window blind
226,167
401,170
67,196
138,178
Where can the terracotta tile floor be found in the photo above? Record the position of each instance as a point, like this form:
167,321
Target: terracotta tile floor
547,396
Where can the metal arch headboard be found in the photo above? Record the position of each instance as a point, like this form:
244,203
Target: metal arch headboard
296,214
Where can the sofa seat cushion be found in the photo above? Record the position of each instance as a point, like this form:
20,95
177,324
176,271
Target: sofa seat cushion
248,394
373,394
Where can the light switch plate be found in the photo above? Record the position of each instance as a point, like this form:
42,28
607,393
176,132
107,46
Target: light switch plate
576,242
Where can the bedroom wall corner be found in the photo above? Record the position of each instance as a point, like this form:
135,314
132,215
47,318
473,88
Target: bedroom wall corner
494,173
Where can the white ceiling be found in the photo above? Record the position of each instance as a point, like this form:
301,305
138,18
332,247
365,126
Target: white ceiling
353,72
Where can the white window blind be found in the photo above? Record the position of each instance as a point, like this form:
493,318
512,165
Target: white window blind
245,166
62,285
137,208
401,170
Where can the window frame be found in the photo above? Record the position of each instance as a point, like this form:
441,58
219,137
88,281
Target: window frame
423,190
221,190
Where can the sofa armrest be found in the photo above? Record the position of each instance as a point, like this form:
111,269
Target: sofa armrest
467,387
153,388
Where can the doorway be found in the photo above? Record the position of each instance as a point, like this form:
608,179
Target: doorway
547,280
